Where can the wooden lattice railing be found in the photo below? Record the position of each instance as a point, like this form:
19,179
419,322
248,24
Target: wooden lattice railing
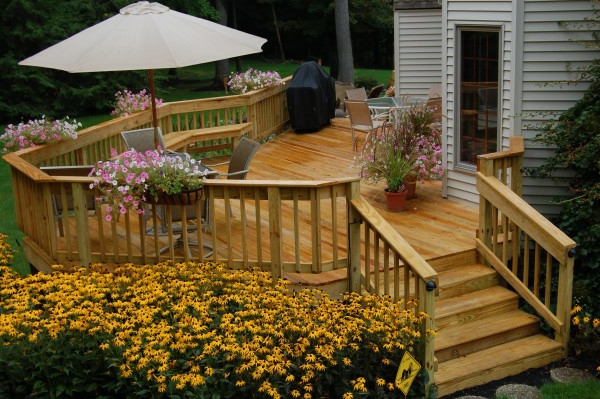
529,252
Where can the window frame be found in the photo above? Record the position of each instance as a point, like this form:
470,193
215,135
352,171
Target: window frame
458,98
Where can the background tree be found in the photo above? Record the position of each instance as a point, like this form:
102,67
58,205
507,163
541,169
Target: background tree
221,66
28,27
306,32
271,4
344,42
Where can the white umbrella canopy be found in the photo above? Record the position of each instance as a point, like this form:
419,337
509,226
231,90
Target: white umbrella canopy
146,36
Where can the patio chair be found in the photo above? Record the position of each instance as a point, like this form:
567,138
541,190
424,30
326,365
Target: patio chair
239,163
57,200
361,119
375,91
142,140
358,94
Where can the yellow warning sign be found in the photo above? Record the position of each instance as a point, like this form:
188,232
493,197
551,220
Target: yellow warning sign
408,370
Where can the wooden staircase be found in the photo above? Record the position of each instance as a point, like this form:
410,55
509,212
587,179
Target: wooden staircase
482,335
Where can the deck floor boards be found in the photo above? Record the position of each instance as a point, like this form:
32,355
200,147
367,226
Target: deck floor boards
434,226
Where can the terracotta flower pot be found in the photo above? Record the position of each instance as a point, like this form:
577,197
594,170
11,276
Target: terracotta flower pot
411,189
396,202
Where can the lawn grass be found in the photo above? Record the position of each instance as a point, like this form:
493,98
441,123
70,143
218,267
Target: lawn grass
580,390
8,222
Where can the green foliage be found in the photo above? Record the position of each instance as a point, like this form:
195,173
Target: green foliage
575,135
66,365
367,82
29,27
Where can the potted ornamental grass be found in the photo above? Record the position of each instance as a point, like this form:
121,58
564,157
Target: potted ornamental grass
133,179
383,158
404,150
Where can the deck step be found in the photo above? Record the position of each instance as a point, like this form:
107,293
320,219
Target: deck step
461,340
465,279
474,306
453,260
495,363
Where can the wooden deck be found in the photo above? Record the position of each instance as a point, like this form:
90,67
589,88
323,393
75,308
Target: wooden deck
434,226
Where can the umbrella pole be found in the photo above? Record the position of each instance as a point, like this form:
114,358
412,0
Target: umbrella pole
153,99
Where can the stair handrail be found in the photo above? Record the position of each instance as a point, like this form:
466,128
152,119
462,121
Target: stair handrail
425,277
510,228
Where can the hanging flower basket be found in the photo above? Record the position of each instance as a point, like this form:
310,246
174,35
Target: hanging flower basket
186,197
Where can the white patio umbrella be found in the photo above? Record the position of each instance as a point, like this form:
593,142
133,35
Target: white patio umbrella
146,36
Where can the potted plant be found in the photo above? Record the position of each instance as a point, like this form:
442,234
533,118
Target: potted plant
253,79
37,132
404,150
384,158
428,163
132,179
127,102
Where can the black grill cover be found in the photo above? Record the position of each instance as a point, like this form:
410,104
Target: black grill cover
310,98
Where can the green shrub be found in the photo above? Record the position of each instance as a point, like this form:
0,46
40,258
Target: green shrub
367,82
576,137
198,331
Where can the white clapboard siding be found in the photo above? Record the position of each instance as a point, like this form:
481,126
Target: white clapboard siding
550,53
538,47
418,57
460,182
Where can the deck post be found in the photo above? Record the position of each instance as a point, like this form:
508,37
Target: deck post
486,167
426,299
275,233
516,178
564,300
81,222
354,222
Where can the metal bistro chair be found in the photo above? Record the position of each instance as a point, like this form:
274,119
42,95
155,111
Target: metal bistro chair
375,91
239,163
359,94
361,119
142,140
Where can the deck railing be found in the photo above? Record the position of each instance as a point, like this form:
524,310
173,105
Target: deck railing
250,223
387,264
529,252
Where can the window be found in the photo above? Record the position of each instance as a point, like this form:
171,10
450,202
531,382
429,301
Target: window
478,93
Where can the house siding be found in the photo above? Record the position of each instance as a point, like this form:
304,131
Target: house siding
418,61
536,49
550,54
460,179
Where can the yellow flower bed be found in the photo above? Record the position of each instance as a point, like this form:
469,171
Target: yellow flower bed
196,330
6,252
